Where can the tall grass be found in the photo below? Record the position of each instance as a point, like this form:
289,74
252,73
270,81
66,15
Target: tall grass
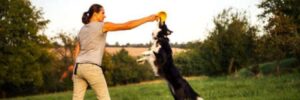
286,87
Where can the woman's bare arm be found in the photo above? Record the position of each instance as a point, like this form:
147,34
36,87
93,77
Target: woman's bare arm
109,26
76,51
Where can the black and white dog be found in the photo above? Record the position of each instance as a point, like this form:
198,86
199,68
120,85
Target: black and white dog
161,60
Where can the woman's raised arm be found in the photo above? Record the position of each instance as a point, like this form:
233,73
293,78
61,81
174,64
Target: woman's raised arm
109,26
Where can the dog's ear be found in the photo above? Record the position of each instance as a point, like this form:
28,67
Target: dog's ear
165,28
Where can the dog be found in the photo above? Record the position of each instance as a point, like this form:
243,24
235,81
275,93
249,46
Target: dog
160,59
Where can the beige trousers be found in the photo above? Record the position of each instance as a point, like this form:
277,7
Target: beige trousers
89,74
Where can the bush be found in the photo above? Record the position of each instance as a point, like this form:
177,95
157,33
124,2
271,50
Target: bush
188,63
121,68
285,66
290,65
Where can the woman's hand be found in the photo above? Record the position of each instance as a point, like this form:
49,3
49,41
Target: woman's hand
152,17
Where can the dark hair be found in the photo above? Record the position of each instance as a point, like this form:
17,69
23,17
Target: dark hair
87,15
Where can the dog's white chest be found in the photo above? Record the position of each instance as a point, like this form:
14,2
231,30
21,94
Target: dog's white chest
155,46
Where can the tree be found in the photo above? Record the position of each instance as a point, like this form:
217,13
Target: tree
117,44
282,28
230,45
64,52
68,45
282,16
24,55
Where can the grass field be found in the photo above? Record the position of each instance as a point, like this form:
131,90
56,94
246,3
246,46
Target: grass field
285,87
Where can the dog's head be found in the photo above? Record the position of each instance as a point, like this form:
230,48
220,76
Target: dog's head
161,32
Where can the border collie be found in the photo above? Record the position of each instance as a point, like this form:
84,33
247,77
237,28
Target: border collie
161,60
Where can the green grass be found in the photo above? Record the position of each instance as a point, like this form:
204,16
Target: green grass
285,87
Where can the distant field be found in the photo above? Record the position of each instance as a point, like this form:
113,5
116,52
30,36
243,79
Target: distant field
135,51
286,87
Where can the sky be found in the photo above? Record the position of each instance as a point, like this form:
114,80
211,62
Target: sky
190,20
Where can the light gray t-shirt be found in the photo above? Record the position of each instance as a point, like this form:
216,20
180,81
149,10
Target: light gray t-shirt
92,43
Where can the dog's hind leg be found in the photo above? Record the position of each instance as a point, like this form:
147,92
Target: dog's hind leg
189,92
174,92
177,93
171,89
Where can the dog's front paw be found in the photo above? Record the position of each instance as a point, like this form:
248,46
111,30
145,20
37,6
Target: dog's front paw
141,60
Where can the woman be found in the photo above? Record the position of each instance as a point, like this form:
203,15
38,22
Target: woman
89,51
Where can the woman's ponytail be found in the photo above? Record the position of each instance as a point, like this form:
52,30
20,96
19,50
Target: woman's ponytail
85,18
88,15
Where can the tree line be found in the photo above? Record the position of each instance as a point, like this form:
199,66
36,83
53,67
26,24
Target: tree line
145,45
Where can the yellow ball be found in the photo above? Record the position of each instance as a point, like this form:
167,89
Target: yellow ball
163,16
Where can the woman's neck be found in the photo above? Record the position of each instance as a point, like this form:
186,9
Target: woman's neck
93,19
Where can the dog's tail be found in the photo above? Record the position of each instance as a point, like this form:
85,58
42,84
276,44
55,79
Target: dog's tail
200,98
